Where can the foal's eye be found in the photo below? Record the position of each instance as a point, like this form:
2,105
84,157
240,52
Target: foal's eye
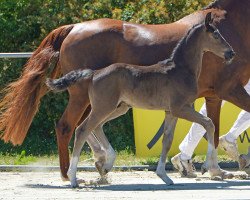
216,34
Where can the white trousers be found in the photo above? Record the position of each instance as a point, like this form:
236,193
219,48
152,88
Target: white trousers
197,131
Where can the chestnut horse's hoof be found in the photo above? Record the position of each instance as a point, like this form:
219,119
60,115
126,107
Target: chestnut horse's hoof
219,174
64,178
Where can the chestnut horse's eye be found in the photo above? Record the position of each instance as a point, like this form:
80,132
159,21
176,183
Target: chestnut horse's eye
216,34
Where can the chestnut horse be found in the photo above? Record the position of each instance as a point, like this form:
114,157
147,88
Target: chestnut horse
99,43
170,85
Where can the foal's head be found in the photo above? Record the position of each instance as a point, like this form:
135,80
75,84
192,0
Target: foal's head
215,42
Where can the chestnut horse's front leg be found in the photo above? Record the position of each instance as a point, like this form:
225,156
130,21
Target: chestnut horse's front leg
238,96
213,107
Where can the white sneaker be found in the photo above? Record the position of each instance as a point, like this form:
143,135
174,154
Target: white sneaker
185,167
244,160
231,148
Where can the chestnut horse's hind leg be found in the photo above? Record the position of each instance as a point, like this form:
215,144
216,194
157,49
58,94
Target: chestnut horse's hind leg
213,105
66,125
169,127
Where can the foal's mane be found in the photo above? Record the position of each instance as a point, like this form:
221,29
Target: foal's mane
180,44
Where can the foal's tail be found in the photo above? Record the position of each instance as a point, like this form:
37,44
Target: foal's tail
22,97
69,79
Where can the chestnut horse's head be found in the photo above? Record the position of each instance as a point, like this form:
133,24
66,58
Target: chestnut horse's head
216,42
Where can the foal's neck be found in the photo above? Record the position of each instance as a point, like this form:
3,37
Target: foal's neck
189,52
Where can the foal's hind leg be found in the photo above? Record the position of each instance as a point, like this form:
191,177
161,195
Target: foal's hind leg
169,127
94,143
105,166
82,132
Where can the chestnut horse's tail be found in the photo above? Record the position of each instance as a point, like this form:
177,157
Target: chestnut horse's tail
22,97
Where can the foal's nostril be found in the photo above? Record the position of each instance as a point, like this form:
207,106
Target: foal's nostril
229,54
232,54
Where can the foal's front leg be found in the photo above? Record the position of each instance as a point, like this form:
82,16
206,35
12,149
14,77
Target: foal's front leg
81,134
188,113
169,127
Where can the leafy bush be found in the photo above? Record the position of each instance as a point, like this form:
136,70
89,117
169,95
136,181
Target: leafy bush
23,25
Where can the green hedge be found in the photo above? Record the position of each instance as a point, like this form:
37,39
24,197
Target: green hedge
23,25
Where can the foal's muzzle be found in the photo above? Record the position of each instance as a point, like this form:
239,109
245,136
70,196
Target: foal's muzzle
229,56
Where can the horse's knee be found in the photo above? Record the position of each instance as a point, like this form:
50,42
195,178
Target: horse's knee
79,132
63,130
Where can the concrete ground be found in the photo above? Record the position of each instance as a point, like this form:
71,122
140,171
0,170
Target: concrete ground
122,185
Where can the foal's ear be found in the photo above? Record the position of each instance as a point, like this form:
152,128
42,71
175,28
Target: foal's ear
208,21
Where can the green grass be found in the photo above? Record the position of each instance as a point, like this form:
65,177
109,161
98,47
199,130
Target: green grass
123,158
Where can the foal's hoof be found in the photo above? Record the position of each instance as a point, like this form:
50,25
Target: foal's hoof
99,166
166,179
74,185
204,169
72,178
104,167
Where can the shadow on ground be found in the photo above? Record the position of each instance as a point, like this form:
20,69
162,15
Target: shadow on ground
226,185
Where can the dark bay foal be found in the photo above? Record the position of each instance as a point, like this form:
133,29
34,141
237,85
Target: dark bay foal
170,85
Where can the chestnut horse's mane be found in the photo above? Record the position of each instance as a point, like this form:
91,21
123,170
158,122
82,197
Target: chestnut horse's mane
217,4
180,43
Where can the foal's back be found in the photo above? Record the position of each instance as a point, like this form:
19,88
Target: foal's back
138,86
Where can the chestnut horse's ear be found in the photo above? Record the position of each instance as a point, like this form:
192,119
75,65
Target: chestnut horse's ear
218,15
208,21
